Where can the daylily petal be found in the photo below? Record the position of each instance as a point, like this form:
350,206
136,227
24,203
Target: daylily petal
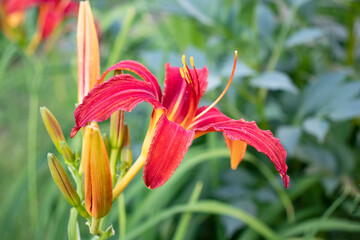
248,132
180,98
11,6
138,69
168,147
237,151
121,92
51,13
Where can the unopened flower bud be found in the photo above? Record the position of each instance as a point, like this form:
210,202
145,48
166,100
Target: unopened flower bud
97,176
126,153
88,51
116,129
67,153
53,128
62,181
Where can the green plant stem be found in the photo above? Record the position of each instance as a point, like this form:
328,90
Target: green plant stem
31,149
114,152
95,226
185,219
275,56
121,38
122,217
351,43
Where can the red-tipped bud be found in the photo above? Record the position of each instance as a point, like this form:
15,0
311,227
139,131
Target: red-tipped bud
88,51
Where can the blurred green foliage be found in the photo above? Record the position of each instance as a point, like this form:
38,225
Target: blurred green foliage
298,75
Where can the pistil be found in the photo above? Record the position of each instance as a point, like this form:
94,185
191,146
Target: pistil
222,94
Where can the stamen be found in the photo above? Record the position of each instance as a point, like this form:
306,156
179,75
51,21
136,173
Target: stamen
222,94
183,60
196,75
182,73
192,62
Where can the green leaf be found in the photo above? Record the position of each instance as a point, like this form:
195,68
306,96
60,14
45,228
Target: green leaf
316,127
331,224
208,207
304,36
275,81
289,136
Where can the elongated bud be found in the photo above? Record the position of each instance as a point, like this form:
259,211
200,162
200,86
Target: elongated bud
126,153
116,129
62,181
67,153
88,51
53,128
98,183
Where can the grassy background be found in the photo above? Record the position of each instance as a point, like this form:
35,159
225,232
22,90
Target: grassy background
297,75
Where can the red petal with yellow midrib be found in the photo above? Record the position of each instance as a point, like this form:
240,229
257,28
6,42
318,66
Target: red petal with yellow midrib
121,92
168,147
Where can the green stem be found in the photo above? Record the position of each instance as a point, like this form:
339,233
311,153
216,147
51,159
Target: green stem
95,226
351,43
275,56
116,51
31,149
122,217
113,159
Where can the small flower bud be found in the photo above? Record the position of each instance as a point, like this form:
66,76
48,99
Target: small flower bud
62,181
126,153
116,129
67,153
53,128
98,183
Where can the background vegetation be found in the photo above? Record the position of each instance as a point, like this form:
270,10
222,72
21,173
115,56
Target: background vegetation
297,75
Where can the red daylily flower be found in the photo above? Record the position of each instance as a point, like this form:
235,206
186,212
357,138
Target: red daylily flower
176,119
52,13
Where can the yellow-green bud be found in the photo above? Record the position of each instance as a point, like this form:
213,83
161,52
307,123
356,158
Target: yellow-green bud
52,127
67,153
62,181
